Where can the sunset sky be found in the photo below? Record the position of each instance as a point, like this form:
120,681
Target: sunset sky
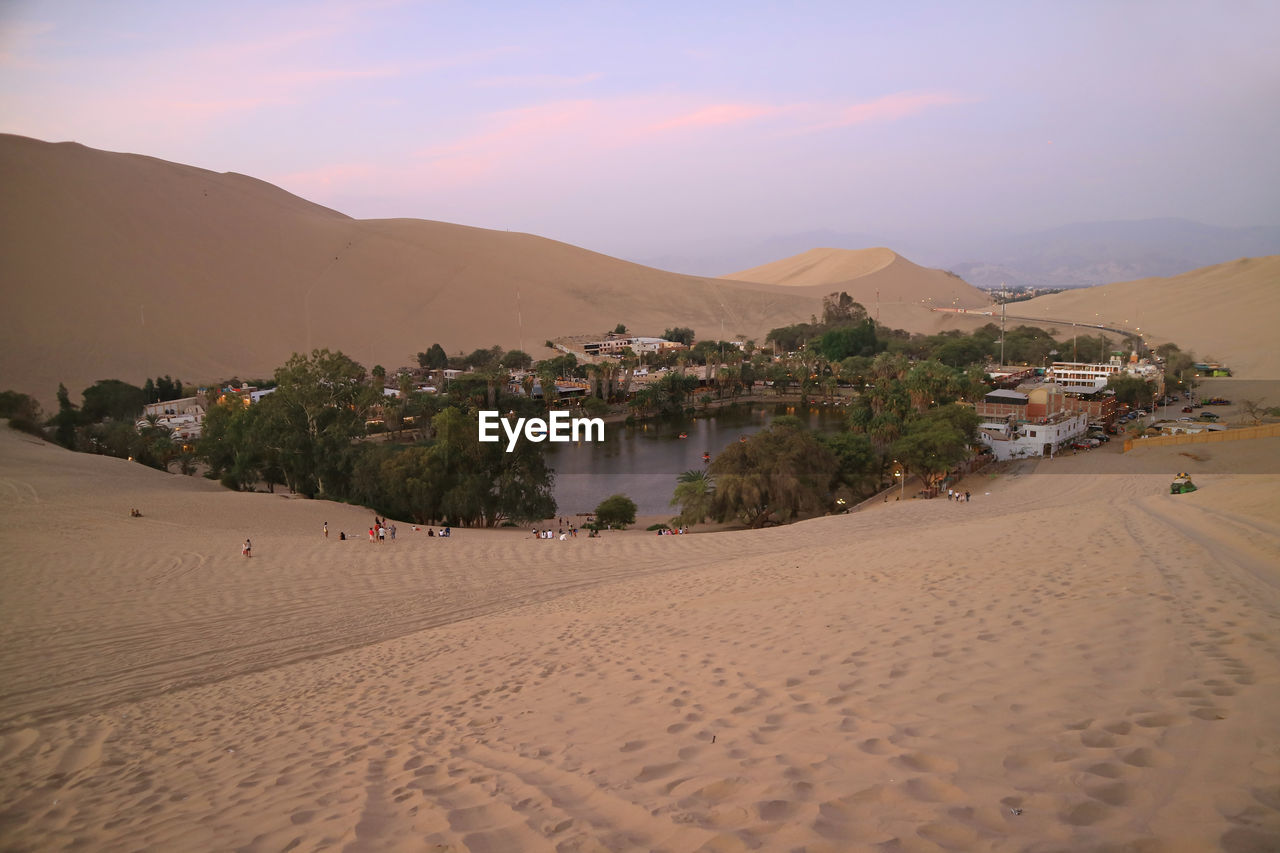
632,127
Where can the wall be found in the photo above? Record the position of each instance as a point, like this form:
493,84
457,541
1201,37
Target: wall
1268,431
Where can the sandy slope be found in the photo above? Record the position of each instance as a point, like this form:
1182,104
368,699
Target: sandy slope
1227,312
864,273
122,266
1069,661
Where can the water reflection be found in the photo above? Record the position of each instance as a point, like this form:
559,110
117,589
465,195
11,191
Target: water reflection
642,462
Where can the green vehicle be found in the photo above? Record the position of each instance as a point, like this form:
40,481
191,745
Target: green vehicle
1181,485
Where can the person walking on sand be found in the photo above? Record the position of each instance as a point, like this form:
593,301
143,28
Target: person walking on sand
326,530
246,550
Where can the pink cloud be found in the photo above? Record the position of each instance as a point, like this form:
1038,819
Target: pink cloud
513,81
717,115
889,108
519,143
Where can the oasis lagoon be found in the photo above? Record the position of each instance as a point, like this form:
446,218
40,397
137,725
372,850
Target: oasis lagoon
643,461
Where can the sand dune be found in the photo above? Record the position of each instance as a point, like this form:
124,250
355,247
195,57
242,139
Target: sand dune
918,676
137,267
864,273
1226,312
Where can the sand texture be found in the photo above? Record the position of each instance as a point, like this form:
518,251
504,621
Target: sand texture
1227,312
140,267
864,273
1071,661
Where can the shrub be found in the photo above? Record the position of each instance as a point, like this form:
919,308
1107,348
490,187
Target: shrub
617,511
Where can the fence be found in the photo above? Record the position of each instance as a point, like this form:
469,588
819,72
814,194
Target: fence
1268,431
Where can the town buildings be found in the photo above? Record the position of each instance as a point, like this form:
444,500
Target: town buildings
1035,420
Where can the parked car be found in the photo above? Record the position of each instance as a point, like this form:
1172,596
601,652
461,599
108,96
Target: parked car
1188,409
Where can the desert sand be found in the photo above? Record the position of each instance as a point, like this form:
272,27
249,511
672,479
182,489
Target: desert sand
1071,661
144,267
867,273
1226,312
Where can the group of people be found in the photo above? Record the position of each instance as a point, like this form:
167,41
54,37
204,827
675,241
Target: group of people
669,531
380,530
957,495
551,534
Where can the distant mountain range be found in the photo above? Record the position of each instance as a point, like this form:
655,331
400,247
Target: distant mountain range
1079,255
1093,253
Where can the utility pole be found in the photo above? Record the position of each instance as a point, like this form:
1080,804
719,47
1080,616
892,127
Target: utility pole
1004,300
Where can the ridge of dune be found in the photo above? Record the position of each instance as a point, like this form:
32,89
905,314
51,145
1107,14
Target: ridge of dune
1226,312
840,683
872,276
133,267
819,266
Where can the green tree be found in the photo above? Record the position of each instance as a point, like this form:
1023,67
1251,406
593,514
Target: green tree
517,360
938,441
22,410
435,358
679,334
111,398
1132,390
320,404
858,464
846,341
65,421
620,329
694,493
776,475
616,511
839,308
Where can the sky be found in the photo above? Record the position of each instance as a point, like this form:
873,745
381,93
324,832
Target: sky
642,128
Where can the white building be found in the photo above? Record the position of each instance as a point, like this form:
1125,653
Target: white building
615,346
1019,424
1081,377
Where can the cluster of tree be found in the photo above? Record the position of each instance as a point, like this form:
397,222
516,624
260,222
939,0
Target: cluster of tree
22,411
779,474
1022,345
1179,367
435,358
162,389
680,334
897,391
845,330
908,412
106,422
454,477
308,436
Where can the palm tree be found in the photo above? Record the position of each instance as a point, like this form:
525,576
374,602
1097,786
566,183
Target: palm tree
629,363
694,493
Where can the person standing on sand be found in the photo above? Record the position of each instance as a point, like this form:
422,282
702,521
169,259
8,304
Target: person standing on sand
326,530
246,550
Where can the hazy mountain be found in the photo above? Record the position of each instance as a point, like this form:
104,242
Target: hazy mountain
1092,253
